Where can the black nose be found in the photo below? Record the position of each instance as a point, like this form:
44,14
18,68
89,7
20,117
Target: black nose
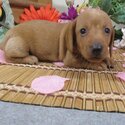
97,49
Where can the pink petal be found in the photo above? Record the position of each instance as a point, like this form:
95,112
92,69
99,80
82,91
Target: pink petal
63,21
124,65
121,75
60,64
48,84
2,57
114,48
123,54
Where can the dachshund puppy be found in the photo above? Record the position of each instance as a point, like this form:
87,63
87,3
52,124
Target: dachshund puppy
86,40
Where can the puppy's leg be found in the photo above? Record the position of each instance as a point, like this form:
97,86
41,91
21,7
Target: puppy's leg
71,61
109,62
17,51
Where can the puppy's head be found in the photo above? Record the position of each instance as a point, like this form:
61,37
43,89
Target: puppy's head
93,34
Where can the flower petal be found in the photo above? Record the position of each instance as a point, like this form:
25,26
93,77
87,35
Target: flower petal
48,84
121,75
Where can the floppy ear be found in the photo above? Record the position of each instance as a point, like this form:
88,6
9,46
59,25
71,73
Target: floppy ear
70,35
67,38
111,42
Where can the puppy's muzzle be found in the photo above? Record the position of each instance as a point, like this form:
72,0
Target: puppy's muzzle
96,49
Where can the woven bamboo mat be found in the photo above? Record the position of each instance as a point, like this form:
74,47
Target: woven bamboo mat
86,90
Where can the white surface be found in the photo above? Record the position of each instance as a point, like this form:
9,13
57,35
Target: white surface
61,4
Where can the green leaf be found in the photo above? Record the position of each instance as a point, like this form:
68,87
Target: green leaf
121,1
94,3
114,8
106,5
119,15
118,19
118,34
103,4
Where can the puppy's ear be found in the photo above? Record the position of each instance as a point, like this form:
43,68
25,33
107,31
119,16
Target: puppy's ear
67,38
71,35
111,42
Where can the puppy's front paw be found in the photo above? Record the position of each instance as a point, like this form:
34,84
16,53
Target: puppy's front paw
97,66
109,62
31,60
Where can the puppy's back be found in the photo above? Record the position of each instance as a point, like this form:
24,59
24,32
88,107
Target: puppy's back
34,31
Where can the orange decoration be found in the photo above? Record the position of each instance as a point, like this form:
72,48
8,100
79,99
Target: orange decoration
44,13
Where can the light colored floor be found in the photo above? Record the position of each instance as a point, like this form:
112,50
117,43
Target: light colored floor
21,114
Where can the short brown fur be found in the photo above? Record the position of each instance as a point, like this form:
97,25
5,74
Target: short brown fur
35,41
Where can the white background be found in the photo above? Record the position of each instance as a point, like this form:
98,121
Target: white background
61,4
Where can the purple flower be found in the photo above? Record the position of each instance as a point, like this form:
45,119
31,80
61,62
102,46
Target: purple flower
72,14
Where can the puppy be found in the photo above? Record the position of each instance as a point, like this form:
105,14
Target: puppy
87,39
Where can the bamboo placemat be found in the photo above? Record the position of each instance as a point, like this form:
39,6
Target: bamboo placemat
86,89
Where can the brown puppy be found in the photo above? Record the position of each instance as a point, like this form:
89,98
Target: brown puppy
86,39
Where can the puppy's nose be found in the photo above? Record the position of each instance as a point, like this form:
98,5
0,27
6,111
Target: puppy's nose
97,49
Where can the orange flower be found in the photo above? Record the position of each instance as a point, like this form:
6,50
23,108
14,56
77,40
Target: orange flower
44,13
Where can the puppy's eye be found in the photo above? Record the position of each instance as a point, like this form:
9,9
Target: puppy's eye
107,30
83,31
